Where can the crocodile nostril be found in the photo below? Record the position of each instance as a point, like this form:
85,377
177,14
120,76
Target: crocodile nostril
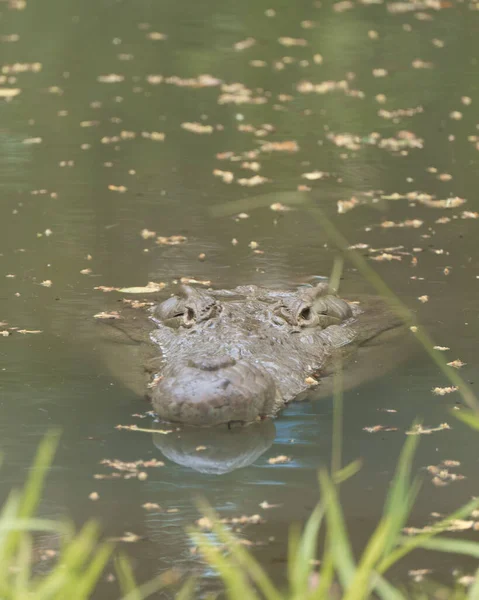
212,364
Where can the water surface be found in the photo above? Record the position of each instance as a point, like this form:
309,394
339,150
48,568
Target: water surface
94,149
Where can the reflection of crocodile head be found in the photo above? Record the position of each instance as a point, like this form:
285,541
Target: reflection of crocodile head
219,449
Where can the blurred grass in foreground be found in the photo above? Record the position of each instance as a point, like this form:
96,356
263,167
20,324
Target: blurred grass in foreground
81,560
336,573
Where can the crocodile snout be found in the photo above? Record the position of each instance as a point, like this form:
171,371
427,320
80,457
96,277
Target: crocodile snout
214,390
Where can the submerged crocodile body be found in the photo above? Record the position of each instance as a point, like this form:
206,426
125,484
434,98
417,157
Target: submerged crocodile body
241,355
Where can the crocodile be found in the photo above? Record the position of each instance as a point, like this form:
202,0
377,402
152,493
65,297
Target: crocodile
216,357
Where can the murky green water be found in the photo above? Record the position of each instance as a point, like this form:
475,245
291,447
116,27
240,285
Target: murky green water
84,169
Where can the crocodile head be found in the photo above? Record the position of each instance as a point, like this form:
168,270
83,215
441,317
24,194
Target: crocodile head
240,355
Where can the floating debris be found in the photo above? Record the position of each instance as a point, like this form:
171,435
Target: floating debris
442,391
156,36
278,207
189,280
128,537
172,240
289,42
420,430
279,460
114,314
253,181
226,176
197,127
287,146
245,44
457,364
111,78
149,506
345,206
149,288
314,175
206,524
9,92
155,136
377,428
146,234
265,505
441,475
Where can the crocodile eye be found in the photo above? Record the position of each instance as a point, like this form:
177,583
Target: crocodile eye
169,310
305,313
190,314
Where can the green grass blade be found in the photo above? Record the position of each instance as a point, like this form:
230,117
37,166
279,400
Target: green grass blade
33,488
440,544
338,541
361,583
234,578
302,564
386,591
336,454
473,593
187,590
468,417
90,576
255,571
158,583
33,525
8,514
250,565
325,575
337,444
66,577
402,494
409,544
241,556
293,546
78,551
23,564
43,459
402,478
336,272
126,578
366,577
53,585
397,509
347,472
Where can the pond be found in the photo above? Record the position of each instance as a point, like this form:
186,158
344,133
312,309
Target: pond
125,123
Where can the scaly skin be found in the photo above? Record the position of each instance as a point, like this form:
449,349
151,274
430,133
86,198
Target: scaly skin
242,355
